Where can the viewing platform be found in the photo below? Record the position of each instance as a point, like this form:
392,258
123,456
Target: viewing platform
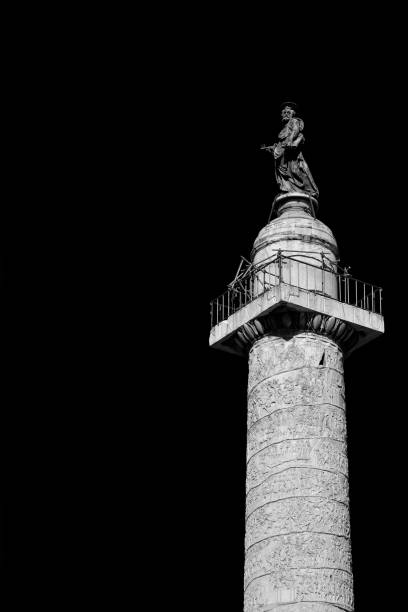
299,283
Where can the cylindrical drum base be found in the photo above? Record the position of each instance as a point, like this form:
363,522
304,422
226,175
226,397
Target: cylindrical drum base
297,542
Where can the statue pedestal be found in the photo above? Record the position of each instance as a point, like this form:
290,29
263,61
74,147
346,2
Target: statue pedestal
294,201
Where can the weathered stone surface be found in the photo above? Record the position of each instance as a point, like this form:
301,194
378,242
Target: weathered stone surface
296,515
297,519
323,453
264,363
317,585
297,422
297,550
296,482
295,231
296,387
301,607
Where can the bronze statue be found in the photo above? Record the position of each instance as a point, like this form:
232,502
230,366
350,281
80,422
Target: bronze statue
291,170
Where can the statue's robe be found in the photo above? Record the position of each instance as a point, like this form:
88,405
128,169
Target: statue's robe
291,170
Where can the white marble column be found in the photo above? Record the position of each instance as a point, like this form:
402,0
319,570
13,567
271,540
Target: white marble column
298,555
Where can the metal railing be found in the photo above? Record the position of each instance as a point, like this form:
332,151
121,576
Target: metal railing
295,271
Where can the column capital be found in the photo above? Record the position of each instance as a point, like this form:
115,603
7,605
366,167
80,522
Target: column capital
287,323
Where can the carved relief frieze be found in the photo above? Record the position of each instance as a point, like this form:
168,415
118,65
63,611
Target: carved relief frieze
296,482
323,453
297,550
296,422
330,586
306,385
297,514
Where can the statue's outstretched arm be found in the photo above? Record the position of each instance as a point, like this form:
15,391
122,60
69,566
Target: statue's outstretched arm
268,148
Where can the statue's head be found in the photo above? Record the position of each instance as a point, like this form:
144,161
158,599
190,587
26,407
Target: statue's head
288,110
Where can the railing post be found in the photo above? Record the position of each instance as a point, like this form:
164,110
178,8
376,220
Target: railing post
322,272
280,265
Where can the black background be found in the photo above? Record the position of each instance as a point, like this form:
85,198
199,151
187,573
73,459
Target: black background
117,406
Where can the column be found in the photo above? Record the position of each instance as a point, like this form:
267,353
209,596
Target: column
298,554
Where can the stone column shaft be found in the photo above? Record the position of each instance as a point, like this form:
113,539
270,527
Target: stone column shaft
298,554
